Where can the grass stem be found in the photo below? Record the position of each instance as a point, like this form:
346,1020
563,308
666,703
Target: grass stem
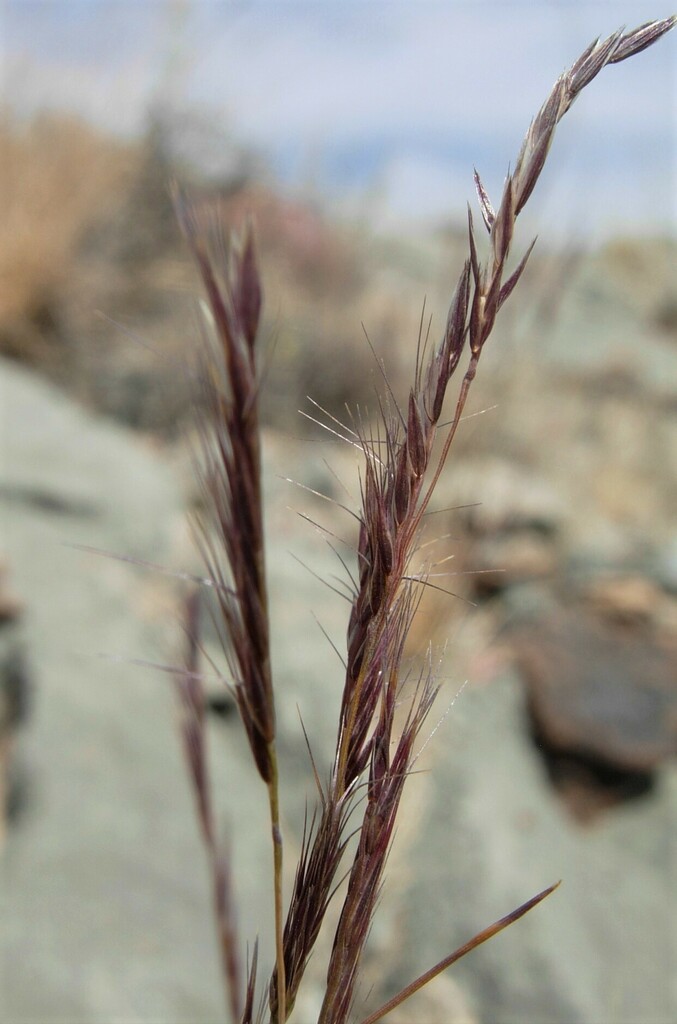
279,1015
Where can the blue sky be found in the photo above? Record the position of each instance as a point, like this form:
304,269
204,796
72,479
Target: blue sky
392,99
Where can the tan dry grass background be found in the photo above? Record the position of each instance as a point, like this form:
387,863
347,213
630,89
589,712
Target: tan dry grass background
59,181
87,236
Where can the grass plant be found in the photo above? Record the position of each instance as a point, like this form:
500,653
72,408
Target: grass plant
403,457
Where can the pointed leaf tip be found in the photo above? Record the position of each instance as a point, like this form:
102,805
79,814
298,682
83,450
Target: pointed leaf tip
487,933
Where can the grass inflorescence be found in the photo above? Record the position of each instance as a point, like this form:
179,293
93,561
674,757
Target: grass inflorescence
357,805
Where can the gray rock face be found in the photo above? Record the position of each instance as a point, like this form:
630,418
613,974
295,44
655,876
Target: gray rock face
103,889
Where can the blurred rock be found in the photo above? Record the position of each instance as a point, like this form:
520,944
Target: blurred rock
666,566
603,698
501,495
14,702
506,523
626,600
505,559
10,605
599,545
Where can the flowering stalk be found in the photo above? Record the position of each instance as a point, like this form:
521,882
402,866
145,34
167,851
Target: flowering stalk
394,498
230,533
